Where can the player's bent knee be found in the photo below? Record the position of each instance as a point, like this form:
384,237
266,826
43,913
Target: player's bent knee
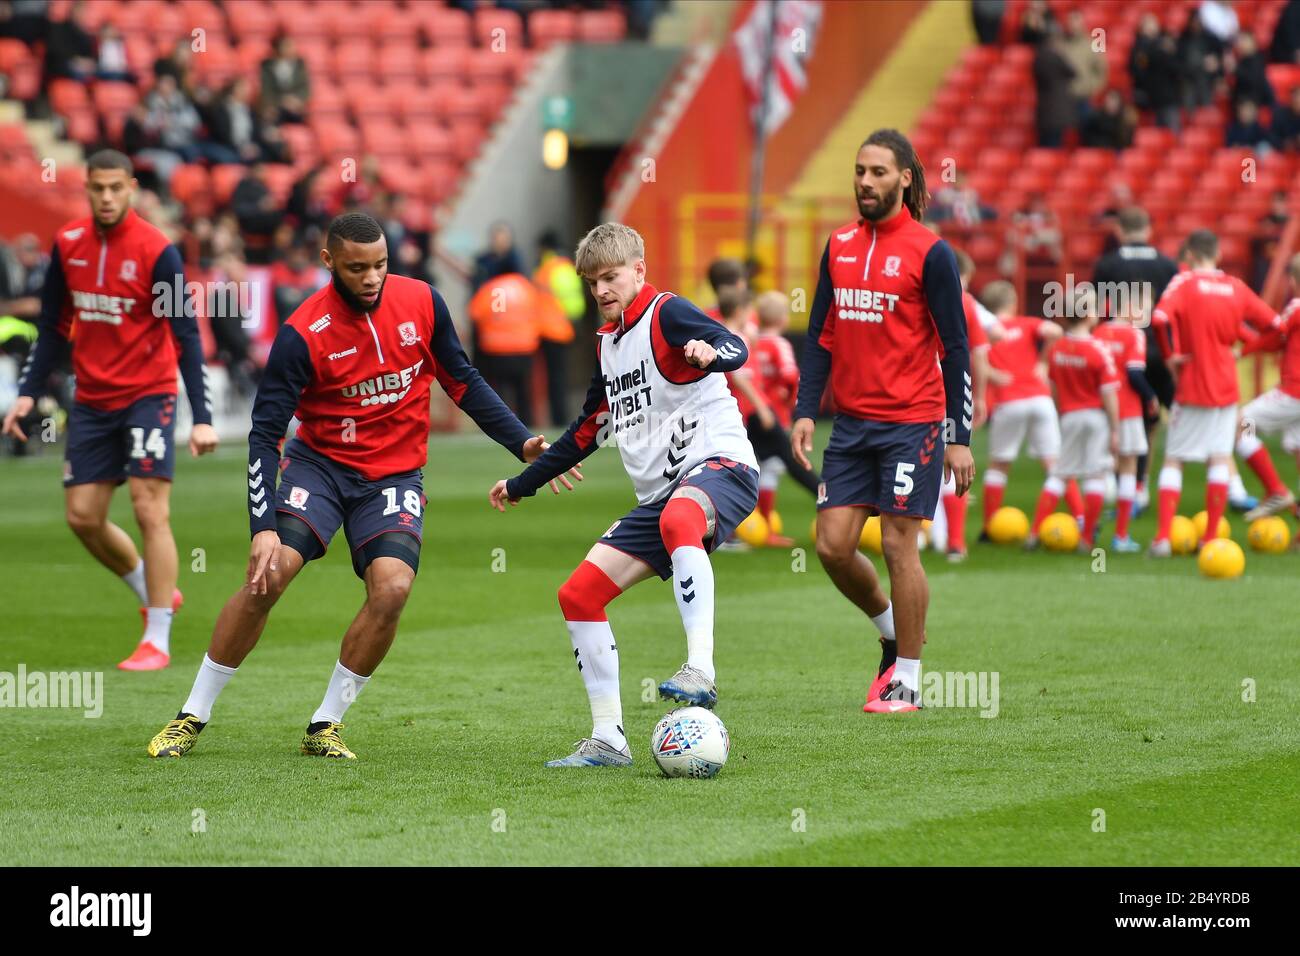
388,594
84,522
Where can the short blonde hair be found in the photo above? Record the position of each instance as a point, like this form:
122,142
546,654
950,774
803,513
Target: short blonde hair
998,295
772,306
609,244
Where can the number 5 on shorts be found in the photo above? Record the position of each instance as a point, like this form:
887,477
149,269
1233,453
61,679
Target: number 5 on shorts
903,478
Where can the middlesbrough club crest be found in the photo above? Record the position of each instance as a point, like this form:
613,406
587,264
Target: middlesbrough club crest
298,498
407,331
892,265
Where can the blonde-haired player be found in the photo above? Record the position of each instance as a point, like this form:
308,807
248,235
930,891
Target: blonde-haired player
684,447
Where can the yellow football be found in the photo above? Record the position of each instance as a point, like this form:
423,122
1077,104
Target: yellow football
1183,535
753,530
774,523
1008,526
1221,558
1201,519
1269,535
870,538
1059,532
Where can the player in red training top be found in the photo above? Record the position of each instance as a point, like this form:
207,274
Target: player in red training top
1086,386
1278,409
1020,400
888,331
355,363
952,516
1137,400
113,293
777,376
1201,315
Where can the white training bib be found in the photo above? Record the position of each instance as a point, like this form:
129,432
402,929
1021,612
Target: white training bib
662,428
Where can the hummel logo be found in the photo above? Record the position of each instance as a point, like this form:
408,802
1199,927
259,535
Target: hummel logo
846,258
259,510
78,262
679,442
688,596
343,354
255,467
728,351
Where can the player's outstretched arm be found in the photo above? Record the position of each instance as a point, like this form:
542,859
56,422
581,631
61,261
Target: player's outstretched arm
581,438
288,372
47,351
168,275
467,388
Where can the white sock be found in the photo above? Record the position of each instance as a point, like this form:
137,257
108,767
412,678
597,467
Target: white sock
908,670
693,588
208,683
596,653
884,622
1236,487
344,687
158,628
1127,487
135,581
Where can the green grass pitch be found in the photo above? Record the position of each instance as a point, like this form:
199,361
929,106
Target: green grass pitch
1120,692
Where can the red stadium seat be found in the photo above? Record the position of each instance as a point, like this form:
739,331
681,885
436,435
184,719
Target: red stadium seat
430,140
445,27
354,63
83,125
548,27
443,63
252,20
601,26
191,186
66,95
398,60
467,137
301,140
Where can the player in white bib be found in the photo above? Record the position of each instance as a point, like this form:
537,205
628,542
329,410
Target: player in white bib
676,425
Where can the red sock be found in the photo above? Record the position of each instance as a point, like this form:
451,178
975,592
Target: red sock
1123,511
1216,502
1261,463
766,501
1074,499
682,523
1047,502
583,597
992,500
1092,503
1168,508
954,508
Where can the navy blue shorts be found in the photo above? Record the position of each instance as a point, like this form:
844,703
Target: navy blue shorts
730,485
328,496
109,446
887,467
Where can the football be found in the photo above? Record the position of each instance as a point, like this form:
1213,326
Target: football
870,537
1008,526
690,742
1183,535
1269,535
1059,532
753,530
1221,558
1201,519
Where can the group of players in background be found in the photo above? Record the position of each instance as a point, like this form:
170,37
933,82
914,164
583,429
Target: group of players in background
706,412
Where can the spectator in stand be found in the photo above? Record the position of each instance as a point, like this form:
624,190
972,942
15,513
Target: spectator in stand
1286,35
1220,19
234,127
1036,22
286,84
22,276
1153,65
257,212
1250,76
1056,111
1263,246
25,20
1111,126
172,118
1037,230
112,61
987,16
69,47
360,194
311,202
1090,66
1286,123
500,257
1246,130
1200,55
227,322
959,204
176,65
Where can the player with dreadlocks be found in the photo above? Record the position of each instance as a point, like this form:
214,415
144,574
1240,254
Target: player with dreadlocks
888,330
